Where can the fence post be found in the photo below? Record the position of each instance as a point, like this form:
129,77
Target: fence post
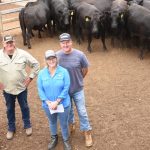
9,11
1,23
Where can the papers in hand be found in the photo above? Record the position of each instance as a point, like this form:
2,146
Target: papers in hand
60,109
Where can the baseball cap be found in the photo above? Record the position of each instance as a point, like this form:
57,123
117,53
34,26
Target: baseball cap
50,53
8,38
64,37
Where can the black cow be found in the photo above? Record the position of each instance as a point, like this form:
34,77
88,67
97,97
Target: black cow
88,17
118,17
104,7
60,14
146,4
138,24
34,16
137,2
29,4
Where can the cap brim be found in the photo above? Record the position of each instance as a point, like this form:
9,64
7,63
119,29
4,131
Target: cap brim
64,40
9,41
50,56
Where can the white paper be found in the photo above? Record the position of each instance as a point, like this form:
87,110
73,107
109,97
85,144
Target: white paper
60,109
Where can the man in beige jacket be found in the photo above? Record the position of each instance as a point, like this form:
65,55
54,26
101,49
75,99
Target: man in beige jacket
14,81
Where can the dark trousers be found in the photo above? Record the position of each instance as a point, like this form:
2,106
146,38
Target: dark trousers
10,104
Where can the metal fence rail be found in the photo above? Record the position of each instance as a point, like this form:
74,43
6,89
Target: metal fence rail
10,11
10,2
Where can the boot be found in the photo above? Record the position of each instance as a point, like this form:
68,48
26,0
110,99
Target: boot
53,143
67,145
88,138
72,128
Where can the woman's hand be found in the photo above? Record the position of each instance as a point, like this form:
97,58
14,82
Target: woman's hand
53,105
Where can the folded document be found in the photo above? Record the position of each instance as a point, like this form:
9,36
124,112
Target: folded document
60,109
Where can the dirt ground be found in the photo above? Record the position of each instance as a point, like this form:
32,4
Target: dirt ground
117,90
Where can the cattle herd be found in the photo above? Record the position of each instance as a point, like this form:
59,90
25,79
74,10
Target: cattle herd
126,20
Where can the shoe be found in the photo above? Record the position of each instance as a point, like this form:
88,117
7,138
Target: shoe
54,141
29,131
10,135
72,128
88,138
67,145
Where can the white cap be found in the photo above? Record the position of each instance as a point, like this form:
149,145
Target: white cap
50,53
8,38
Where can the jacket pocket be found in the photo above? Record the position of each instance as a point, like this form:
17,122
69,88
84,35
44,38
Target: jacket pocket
19,65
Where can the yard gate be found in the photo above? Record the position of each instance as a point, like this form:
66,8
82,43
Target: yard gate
9,13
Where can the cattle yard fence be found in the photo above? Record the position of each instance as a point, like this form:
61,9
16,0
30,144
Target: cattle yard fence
4,20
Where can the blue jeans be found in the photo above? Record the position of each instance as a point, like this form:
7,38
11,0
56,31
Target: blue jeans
10,104
79,101
63,119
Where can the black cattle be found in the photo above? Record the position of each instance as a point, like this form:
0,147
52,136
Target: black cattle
88,17
34,16
146,4
118,19
60,14
137,2
104,7
138,24
29,4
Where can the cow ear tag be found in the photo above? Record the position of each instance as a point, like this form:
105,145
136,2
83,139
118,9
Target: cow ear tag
52,22
72,13
86,19
121,16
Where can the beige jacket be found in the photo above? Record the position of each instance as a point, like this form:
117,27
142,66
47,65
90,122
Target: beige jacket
13,71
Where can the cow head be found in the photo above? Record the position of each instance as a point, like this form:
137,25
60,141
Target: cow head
117,18
93,21
118,10
66,15
63,16
114,17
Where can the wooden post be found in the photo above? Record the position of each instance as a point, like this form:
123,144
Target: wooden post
1,24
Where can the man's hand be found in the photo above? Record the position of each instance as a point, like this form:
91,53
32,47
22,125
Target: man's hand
1,86
84,71
27,82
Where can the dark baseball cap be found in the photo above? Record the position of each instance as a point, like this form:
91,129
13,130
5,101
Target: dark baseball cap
64,37
8,38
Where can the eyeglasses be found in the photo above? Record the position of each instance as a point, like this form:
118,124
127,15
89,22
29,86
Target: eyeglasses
51,58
